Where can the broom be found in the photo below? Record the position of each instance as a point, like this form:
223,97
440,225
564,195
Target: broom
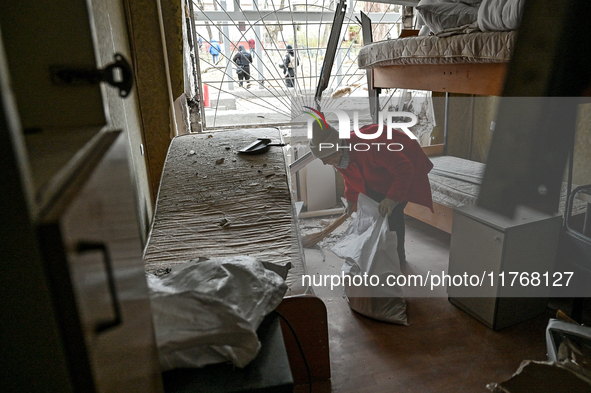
310,240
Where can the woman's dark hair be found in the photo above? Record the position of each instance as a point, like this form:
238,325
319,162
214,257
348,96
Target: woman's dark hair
240,48
290,50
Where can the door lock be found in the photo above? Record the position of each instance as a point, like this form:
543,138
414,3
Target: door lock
118,74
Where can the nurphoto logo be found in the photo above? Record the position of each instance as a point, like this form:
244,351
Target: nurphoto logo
394,120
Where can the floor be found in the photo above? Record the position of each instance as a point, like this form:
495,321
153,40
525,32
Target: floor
443,349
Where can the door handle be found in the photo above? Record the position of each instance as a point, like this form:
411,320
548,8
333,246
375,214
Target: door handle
85,246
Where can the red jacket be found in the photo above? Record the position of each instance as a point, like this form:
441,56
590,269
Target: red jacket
400,175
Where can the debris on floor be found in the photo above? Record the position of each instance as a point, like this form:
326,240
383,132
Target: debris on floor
310,226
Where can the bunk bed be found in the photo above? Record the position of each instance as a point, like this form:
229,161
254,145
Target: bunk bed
469,63
469,58
473,63
463,47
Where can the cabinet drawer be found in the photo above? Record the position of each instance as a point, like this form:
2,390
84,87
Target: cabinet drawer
102,252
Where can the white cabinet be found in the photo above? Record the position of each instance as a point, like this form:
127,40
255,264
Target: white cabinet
93,259
493,248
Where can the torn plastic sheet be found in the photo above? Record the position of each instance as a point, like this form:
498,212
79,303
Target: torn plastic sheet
369,248
208,312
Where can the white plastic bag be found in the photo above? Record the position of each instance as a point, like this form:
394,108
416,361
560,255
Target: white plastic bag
208,312
369,251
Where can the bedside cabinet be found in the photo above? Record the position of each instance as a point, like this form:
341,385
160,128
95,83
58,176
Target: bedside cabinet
496,248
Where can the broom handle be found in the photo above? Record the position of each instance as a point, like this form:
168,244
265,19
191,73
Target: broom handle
562,316
337,223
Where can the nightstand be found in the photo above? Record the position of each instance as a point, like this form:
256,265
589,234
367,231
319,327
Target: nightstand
495,248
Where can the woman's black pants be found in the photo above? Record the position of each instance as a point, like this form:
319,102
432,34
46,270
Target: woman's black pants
395,221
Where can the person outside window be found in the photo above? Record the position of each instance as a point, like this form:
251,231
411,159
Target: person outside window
214,50
251,43
290,62
391,178
242,59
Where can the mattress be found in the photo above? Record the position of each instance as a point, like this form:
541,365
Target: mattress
213,202
456,182
479,47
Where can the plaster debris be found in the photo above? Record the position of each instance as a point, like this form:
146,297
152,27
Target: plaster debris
224,223
219,161
192,152
254,184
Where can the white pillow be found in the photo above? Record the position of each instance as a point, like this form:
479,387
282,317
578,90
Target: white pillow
441,16
500,15
424,29
512,13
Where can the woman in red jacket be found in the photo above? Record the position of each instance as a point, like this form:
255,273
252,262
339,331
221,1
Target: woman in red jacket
391,171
